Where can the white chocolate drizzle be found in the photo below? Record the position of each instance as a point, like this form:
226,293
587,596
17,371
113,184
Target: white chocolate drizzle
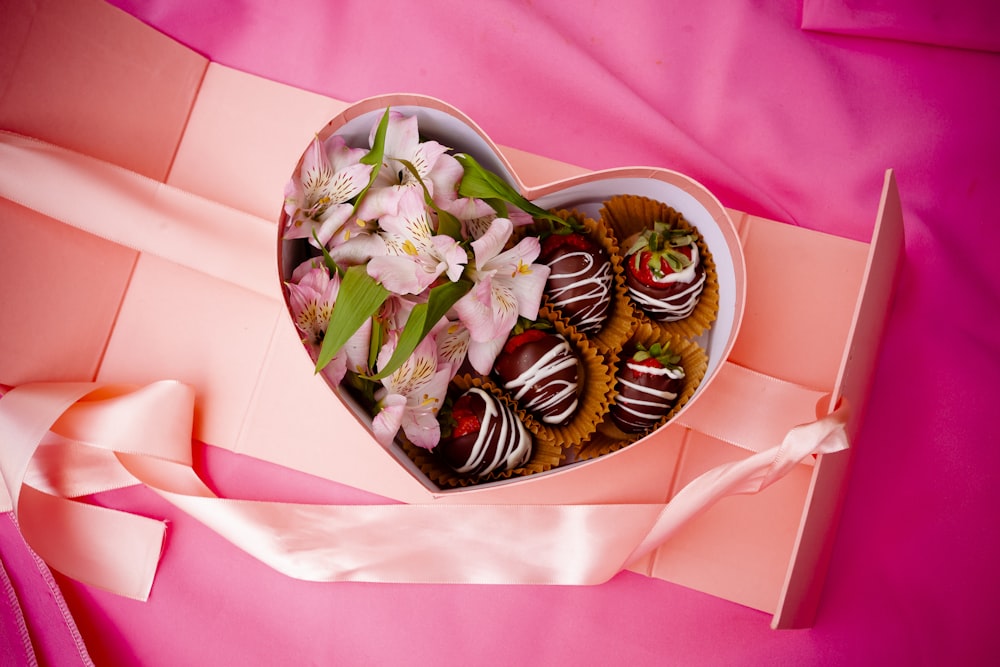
595,290
551,391
651,404
679,305
499,425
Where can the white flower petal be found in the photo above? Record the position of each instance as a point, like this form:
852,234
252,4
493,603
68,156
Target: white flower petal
483,354
386,423
401,274
492,242
528,287
401,136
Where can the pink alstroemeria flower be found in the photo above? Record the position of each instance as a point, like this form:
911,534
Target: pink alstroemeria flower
434,168
311,295
354,245
412,395
414,256
455,345
476,216
317,200
507,284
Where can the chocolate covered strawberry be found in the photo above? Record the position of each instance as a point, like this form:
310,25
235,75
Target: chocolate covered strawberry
481,435
648,384
664,273
580,278
541,370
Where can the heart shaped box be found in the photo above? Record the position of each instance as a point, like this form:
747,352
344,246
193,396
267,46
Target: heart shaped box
585,193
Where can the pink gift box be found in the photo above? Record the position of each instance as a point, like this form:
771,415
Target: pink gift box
180,282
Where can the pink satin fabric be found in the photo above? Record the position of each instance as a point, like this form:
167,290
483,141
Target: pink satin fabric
149,431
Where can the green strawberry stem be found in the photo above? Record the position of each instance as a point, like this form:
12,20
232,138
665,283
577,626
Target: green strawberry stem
523,324
661,242
563,227
662,354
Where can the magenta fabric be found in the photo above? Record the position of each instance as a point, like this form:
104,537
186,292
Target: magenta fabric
969,24
36,626
792,124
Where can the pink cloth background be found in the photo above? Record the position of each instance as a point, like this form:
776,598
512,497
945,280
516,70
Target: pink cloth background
792,124
970,24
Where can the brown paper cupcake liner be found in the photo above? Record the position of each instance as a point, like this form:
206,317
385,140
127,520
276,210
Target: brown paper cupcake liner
592,400
617,326
595,387
626,215
608,438
545,454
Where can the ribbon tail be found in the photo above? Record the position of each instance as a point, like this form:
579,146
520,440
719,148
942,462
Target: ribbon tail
109,549
746,476
429,543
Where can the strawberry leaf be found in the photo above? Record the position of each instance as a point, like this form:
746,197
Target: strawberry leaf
641,243
676,260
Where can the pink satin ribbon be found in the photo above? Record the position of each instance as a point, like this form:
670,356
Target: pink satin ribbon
143,435
105,200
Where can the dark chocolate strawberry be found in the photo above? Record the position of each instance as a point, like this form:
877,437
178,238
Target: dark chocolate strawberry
465,420
648,384
483,435
542,372
664,273
580,279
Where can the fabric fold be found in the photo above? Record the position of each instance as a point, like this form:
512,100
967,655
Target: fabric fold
963,25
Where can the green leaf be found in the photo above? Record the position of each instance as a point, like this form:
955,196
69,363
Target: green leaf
360,387
422,319
327,258
359,298
449,225
374,157
376,341
498,205
481,183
